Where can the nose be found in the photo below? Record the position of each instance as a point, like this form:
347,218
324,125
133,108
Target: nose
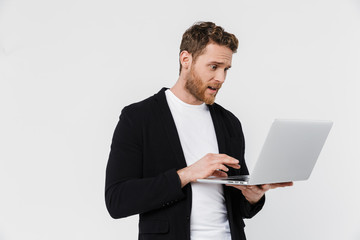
220,76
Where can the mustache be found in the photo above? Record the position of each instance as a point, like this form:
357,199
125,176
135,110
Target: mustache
215,85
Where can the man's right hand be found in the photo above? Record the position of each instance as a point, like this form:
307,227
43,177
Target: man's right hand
210,165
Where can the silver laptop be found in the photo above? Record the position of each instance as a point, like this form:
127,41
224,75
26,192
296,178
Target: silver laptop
289,153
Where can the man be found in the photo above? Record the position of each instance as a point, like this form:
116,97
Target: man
163,144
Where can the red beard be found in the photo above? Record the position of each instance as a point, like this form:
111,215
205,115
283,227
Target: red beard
198,89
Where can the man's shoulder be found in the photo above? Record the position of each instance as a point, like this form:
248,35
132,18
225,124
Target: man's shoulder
144,106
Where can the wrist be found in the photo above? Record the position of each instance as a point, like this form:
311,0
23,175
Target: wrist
184,176
255,200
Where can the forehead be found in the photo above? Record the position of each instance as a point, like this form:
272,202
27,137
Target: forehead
216,53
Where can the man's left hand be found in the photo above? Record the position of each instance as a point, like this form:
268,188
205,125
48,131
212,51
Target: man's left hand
254,193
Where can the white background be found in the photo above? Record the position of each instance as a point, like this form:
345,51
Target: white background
68,67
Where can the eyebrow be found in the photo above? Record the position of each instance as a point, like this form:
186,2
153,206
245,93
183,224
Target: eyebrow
218,63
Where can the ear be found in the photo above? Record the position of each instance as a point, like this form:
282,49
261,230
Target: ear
185,59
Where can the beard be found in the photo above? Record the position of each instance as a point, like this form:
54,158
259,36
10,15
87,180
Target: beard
197,88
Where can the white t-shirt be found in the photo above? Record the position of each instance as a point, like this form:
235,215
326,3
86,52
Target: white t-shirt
197,136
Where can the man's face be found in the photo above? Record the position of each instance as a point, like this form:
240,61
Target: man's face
208,73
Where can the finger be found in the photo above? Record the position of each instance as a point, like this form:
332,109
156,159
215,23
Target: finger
231,162
225,159
236,166
219,174
265,187
285,184
220,167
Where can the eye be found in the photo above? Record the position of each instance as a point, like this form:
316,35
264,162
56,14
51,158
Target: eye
226,69
213,67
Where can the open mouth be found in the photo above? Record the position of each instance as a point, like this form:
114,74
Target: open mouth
212,88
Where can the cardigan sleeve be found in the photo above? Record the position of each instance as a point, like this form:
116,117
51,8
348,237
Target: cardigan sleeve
126,191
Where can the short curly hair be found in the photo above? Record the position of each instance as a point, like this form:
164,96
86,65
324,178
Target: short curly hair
198,36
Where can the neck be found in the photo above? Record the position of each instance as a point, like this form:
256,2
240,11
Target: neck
180,91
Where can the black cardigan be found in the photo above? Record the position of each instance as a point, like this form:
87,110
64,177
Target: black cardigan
141,173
